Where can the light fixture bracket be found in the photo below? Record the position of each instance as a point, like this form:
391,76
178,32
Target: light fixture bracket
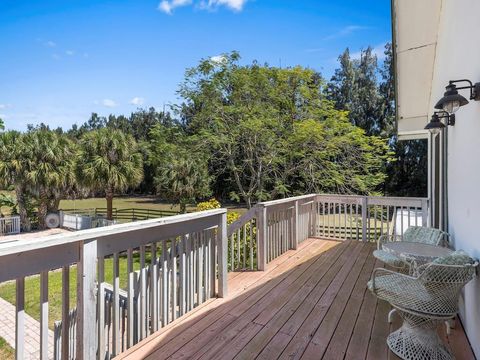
474,88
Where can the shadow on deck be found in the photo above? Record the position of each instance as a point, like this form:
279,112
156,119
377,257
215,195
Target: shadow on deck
311,304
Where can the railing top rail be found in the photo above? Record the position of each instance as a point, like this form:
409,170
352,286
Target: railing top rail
249,215
372,197
5,218
98,233
286,200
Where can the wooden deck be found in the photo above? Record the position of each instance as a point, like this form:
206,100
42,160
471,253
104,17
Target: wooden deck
311,304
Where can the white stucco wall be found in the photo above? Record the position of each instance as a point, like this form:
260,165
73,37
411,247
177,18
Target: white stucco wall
458,57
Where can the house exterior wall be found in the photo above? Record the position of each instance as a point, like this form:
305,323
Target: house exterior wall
458,57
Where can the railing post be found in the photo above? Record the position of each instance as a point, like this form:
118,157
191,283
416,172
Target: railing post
425,212
364,218
86,301
314,218
222,256
262,238
295,226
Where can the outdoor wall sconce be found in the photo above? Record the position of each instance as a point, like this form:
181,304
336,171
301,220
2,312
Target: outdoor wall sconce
452,100
436,125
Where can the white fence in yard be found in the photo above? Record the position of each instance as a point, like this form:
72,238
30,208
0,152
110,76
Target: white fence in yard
173,264
9,225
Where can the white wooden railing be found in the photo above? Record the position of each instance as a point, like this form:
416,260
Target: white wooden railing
271,228
9,225
176,263
181,261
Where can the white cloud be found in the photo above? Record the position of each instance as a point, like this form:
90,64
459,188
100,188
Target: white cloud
3,116
50,43
236,5
137,101
55,57
347,30
218,59
5,106
167,6
109,103
70,52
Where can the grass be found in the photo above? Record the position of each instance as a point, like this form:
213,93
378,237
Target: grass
6,351
32,288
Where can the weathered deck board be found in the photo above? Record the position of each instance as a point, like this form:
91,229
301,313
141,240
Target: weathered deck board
311,304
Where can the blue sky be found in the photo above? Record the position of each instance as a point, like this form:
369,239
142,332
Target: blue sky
61,60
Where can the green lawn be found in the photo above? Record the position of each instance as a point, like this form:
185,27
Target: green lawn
32,288
6,351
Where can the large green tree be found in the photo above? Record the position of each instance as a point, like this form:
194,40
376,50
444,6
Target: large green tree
249,116
109,161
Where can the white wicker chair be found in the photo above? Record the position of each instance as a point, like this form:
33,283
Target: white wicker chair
419,234
423,302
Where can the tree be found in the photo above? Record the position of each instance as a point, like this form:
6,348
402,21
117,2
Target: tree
51,169
2,125
354,87
248,117
109,161
184,180
13,171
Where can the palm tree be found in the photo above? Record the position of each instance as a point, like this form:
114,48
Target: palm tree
14,170
183,181
109,161
52,168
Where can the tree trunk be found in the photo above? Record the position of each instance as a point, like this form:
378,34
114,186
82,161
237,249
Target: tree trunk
109,197
183,207
25,223
42,209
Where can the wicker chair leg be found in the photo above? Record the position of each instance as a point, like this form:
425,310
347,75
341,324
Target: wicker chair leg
418,339
390,315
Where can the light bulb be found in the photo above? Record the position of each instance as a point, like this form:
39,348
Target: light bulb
451,106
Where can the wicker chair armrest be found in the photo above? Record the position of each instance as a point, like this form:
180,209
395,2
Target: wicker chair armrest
382,272
387,238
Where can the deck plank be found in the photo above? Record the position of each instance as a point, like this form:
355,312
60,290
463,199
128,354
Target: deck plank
310,303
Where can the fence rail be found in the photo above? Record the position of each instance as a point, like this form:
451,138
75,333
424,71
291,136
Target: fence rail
130,214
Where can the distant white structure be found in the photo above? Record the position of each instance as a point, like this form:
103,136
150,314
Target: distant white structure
10,225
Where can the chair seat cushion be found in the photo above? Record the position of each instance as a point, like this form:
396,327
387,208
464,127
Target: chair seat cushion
458,257
389,258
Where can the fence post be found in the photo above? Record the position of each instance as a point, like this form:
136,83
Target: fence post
222,246
295,226
261,237
425,216
86,301
364,218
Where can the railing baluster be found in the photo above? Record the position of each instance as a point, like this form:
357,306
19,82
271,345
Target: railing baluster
20,318
101,308
143,294
116,305
153,287
44,315
130,296
65,310
165,283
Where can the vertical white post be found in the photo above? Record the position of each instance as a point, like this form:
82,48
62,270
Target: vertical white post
101,308
425,209
44,315
364,218
295,226
222,247
262,238
86,301
65,311
20,319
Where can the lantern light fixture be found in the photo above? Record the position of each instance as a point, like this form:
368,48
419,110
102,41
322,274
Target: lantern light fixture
452,100
436,125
